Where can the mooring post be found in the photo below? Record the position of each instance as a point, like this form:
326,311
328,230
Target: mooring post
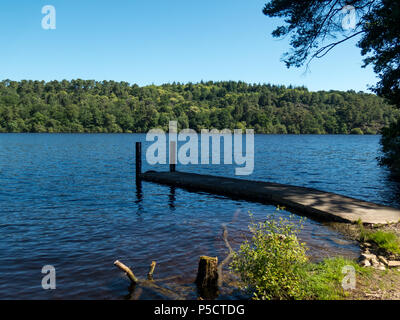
138,160
172,156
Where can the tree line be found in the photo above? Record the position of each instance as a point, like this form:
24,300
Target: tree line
115,107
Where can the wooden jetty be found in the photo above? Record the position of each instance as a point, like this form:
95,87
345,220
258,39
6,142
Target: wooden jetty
322,205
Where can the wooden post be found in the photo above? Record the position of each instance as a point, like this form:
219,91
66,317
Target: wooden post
207,277
172,156
138,160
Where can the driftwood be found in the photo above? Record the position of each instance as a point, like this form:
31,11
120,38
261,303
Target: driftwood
135,294
127,270
227,259
209,276
151,271
149,283
137,290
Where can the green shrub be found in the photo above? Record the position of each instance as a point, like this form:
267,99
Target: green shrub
274,265
269,264
356,131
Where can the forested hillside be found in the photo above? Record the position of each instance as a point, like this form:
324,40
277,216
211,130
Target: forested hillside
108,106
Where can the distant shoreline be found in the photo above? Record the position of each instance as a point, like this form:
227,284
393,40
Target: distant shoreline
264,134
86,106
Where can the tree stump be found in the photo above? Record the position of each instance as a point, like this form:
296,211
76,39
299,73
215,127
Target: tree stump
207,277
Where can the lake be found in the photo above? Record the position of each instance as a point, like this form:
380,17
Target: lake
71,201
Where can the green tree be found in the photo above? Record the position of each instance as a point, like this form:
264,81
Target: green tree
315,28
310,24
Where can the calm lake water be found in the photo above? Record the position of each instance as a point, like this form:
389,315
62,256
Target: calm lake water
71,201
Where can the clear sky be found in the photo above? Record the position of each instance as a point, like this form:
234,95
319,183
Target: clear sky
159,41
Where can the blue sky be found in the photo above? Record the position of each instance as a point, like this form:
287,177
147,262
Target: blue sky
154,41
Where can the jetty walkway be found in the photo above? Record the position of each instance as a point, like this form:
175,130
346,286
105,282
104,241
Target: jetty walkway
325,206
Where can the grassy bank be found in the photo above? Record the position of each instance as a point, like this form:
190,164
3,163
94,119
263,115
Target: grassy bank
384,239
381,239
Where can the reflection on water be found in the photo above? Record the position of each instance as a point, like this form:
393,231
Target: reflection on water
172,198
139,195
72,201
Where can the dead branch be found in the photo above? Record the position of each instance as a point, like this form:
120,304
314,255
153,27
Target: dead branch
166,279
136,294
148,283
227,259
127,270
151,271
